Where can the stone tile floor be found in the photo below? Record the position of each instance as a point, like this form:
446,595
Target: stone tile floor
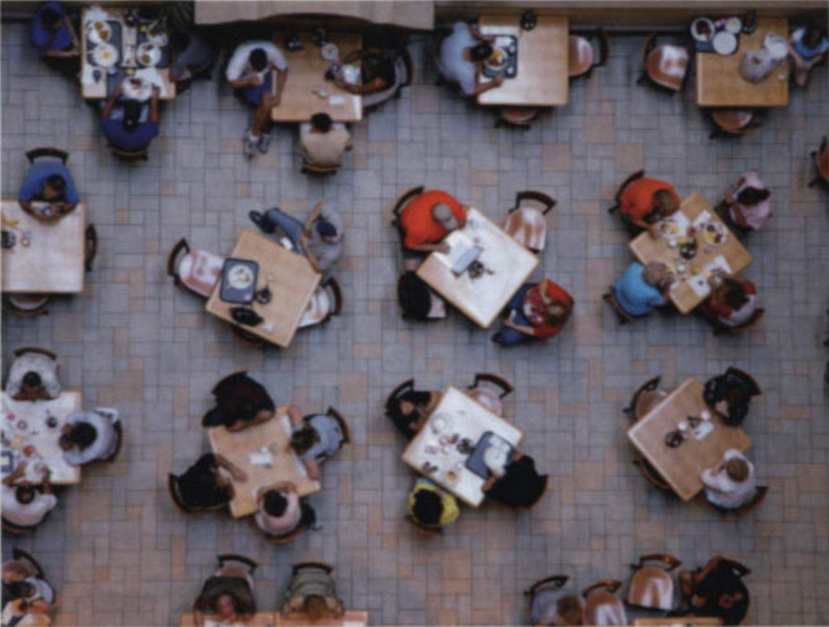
121,554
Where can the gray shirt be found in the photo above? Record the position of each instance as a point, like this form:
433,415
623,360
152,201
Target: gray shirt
105,441
331,437
327,253
195,58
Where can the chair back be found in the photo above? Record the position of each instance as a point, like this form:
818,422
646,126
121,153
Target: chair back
197,271
47,151
652,586
16,530
650,474
601,604
90,246
34,349
325,302
321,565
342,423
310,168
424,531
404,200
487,396
522,117
129,155
26,305
396,392
286,538
665,65
745,510
246,563
623,316
633,408
756,317
119,434
246,337
822,160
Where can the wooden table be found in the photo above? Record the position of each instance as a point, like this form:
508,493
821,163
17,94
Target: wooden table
99,88
306,74
29,428
290,278
677,621
646,249
260,619
275,436
483,298
54,261
543,74
681,467
470,420
351,618
719,83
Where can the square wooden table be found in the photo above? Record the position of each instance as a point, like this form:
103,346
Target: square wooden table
260,619
682,466
98,88
306,74
646,249
53,263
543,74
481,299
677,621
290,278
719,83
275,436
469,419
351,618
24,423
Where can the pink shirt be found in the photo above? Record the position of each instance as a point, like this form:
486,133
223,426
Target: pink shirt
755,215
280,525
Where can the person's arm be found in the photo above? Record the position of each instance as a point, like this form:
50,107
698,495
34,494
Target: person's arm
798,60
281,79
237,473
312,467
47,484
310,256
16,474
110,105
154,114
312,217
294,415
26,205
489,483
475,32
521,328
482,87
255,79
442,247
76,44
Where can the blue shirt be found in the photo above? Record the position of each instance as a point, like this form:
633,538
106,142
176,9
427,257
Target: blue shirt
807,54
32,188
122,139
634,294
44,38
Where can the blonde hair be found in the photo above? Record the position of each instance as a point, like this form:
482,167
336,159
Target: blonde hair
737,470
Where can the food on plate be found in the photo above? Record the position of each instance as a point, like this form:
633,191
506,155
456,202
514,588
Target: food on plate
240,277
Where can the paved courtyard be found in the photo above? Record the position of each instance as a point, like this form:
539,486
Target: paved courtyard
121,554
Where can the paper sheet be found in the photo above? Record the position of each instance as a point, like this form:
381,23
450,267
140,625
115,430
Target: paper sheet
699,282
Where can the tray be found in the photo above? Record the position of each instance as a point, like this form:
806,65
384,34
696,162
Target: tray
241,296
475,462
508,43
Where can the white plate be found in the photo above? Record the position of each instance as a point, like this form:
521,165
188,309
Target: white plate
140,92
697,28
240,277
724,43
98,32
148,54
733,25
105,55
330,52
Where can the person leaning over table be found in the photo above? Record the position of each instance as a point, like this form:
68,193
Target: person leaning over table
241,402
641,289
86,437
312,594
192,55
26,505
520,485
644,202
747,205
717,590
123,125
431,507
410,411
460,56
228,593
249,72
732,482
538,311
314,438
207,483
425,221
807,46
733,299
323,142
50,182
55,38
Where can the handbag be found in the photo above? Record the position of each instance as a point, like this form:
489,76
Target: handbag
243,315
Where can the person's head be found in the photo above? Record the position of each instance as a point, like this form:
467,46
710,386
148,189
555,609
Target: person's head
569,610
274,503
258,59
50,18
132,115
737,469
25,494
327,231
179,41
812,36
664,204
226,606
18,589
321,122
732,293
54,187
427,508
31,381
304,438
752,196
443,215
481,51
657,274
314,607
404,410
80,435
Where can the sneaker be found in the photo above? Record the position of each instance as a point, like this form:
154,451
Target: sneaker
261,221
250,144
264,142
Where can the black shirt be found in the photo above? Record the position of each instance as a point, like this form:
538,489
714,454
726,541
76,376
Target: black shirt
521,485
199,486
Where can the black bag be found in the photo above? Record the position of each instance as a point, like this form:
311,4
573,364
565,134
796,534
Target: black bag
309,516
413,296
243,315
735,388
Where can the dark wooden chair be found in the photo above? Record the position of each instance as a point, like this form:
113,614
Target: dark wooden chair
343,425
617,198
664,66
652,586
130,156
644,399
734,122
325,303
745,510
287,538
554,582
246,337
518,117
490,398
119,430
47,151
196,271
90,246
650,474
26,305
526,223
178,501
400,205
821,159
322,565
33,349
602,602
308,168
16,530
406,386
251,565
610,298
722,329
424,531
582,58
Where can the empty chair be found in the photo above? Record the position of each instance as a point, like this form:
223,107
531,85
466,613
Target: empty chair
520,117
26,305
526,223
486,395
648,396
821,159
197,270
664,65
326,302
733,122
582,58
652,586
601,604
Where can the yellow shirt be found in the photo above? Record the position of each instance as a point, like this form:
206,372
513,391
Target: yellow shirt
451,511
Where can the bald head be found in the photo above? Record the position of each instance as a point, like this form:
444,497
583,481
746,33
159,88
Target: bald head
443,214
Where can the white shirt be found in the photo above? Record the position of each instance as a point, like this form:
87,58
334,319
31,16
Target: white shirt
239,68
451,61
724,492
105,441
26,514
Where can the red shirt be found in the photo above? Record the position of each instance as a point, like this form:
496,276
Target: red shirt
418,224
722,308
536,311
637,198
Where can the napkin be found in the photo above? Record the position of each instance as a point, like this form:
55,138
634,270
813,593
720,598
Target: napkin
151,76
699,283
97,14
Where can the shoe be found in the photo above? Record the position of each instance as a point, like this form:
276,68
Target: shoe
264,142
250,144
261,221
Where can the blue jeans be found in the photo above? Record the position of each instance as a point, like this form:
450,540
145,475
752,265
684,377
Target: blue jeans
252,94
289,225
508,336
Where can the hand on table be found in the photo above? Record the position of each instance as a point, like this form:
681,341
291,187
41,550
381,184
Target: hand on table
499,78
256,80
444,248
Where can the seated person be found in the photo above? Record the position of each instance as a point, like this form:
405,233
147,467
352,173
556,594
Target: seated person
520,485
25,505
746,205
207,483
33,377
537,311
320,238
124,126
425,222
323,142
22,613
732,482
383,73
644,202
54,36
641,289
241,402
312,594
88,436
556,606
280,510
315,438
730,395
430,507
21,581
716,591
410,411
249,72
460,56
807,46
417,300
733,300
228,594
193,55
51,182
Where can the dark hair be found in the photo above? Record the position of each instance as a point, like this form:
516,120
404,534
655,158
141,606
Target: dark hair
752,196
413,296
427,508
179,40
481,51
214,605
733,293
304,438
57,183
32,380
50,17
132,115
275,504
812,36
379,66
82,435
395,413
315,606
25,494
17,589
258,59
321,122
